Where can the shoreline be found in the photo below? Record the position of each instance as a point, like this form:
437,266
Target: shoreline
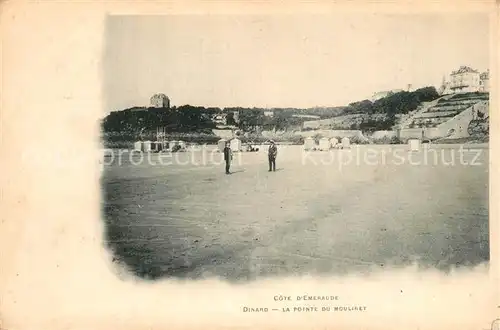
484,145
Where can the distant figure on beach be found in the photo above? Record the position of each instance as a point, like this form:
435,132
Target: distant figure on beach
272,153
228,156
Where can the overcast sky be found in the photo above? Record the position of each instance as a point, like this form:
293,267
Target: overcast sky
284,61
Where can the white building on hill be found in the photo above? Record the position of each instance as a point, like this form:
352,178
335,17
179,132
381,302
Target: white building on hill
219,119
484,81
465,80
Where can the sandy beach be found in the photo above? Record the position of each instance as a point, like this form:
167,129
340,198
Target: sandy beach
330,212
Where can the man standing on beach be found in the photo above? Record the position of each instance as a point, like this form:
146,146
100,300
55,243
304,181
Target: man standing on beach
228,156
272,153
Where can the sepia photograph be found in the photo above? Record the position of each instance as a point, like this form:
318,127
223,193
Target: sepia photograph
243,147
249,165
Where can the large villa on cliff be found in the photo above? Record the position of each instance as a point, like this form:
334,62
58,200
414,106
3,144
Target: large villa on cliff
465,80
463,98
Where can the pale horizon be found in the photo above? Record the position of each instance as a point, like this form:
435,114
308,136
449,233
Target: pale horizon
299,61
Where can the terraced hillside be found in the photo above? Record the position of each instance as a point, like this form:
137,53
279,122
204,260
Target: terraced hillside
446,109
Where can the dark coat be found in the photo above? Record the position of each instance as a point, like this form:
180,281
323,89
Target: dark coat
227,154
273,151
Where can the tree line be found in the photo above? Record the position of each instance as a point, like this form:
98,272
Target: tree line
391,105
176,120
188,118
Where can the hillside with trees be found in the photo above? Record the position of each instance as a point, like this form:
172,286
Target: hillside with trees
378,115
140,122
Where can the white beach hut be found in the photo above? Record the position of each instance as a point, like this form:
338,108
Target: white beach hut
333,142
171,144
182,144
309,143
221,145
324,144
138,145
414,144
426,144
158,146
146,146
235,145
346,143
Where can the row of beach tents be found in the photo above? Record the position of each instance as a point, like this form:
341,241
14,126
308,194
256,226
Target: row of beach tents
326,144
345,143
309,144
157,146
236,145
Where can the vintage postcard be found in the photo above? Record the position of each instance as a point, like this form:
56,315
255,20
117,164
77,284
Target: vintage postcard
249,165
